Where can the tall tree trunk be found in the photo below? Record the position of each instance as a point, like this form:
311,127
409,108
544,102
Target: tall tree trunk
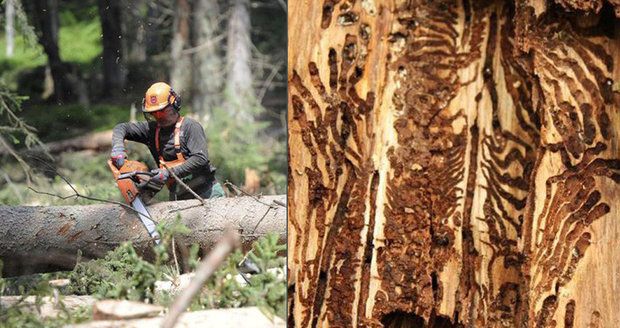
181,65
9,6
240,97
135,20
35,237
152,30
113,71
453,163
207,61
45,14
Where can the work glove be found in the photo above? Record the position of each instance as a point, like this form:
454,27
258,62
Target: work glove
161,176
118,156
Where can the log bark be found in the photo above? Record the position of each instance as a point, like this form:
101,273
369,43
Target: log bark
224,318
124,310
96,141
453,163
47,307
39,236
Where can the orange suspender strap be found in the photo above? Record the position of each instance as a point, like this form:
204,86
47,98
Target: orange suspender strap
177,141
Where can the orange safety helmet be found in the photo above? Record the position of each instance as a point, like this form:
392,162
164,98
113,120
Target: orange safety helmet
158,96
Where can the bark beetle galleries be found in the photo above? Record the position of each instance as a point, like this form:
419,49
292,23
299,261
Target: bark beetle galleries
479,202
334,132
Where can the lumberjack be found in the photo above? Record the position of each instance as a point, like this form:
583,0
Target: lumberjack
177,144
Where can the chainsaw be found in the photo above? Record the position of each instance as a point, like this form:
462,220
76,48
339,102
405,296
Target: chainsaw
134,182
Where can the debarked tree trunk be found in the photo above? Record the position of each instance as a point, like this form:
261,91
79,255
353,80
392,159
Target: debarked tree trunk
454,163
35,238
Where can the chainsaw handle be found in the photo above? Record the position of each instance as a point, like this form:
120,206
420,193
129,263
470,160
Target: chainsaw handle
149,184
132,174
142,184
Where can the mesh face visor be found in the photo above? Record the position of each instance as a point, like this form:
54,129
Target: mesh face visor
152,116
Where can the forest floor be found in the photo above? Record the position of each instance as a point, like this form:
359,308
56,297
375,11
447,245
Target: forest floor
56,299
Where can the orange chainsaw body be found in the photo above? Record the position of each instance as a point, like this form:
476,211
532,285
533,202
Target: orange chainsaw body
128,188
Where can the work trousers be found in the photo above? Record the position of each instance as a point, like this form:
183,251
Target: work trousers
212,189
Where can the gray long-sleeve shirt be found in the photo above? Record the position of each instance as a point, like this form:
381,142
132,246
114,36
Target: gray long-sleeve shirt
193,144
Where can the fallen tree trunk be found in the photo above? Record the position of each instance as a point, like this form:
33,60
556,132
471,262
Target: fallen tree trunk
47,307
38,236
223,318
96,141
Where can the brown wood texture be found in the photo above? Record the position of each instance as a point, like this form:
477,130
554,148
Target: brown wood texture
454,163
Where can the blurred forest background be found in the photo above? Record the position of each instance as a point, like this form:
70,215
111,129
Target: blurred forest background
71,70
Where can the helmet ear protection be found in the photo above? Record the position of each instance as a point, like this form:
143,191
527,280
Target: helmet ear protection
176,101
